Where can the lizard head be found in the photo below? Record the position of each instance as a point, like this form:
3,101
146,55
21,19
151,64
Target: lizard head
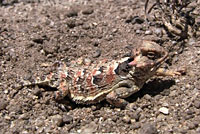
147,59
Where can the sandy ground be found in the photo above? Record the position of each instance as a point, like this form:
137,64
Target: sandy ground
34,33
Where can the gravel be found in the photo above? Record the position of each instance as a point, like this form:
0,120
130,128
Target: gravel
33,34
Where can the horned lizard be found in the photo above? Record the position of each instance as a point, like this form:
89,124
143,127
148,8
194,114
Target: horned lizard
113,80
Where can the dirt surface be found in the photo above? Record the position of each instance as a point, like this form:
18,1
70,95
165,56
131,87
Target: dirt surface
34,34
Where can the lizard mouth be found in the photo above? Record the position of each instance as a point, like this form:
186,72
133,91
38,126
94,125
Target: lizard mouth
141,62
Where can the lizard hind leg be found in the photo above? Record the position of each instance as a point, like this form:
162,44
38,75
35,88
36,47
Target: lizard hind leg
167,72
62,90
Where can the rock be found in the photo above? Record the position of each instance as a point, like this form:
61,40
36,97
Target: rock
3,104
164,110
36,91
72,13
137,20
174,42
173,93
115,118
48,49
87,11
89,128
148,128
191,41
38,40
23,116
87,61
37,105
39,122
136,115
183,131
147,97
165,104
126,119
93,107
192,125
131,106
71,23
190,112
187,117
57,120
148,32
138,31
135,125
197,104
134,20
97,53
161,117
95,43
67,118
158,32
198,130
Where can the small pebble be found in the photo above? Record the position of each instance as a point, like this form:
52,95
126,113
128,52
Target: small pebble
173,93
87,61
158,31
88,11
93,107
192,125
97,53
187,117
138,20
148,32
7,117
148,128
79,131
191,41
197,104
134,20
198,129
3,104
147,97
23,117
67,119
71,23
164,104
174,42
135,125
138,31
89,128
57,120
6,92
189,112
132,106
136,115
38,105
164,110
95,43
72,13
127,119
36,91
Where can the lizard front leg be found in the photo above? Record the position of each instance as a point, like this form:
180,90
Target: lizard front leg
116,97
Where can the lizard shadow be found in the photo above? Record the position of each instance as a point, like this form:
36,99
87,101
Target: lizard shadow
153,87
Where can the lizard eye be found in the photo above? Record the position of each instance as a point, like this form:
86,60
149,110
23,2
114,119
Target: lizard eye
151,55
